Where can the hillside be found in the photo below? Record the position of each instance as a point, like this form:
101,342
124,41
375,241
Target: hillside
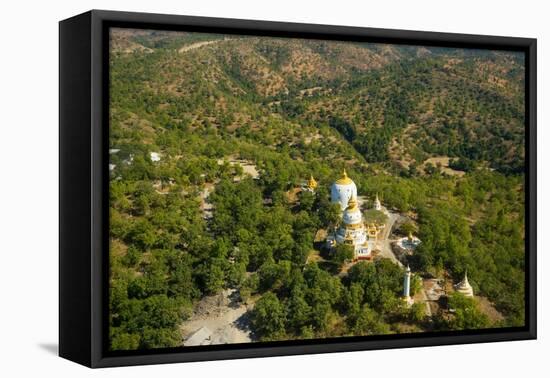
392,104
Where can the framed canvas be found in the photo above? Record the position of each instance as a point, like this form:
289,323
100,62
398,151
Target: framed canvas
234,188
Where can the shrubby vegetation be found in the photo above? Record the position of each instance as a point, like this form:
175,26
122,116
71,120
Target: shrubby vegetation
204,110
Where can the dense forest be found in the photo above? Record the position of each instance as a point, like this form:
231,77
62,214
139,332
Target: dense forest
185,106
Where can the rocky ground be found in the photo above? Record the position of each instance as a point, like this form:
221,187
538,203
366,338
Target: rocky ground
218,319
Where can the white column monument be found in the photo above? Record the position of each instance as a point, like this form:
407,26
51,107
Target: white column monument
407,287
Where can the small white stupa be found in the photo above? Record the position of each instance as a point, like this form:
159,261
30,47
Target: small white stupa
377,204
464,287
155,156
408,243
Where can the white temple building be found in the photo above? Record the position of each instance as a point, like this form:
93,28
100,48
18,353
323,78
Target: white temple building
464,287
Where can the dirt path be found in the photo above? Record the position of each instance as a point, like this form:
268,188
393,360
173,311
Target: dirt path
426,302
196,45
206,207
217,319
386,249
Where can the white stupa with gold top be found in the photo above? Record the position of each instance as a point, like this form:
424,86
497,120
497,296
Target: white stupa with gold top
343,190
464,287
352,231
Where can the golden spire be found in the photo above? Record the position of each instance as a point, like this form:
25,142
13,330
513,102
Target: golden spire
352,203
410,236
312,184
344,180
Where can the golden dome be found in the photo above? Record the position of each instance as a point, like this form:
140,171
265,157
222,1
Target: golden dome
344,180
312,184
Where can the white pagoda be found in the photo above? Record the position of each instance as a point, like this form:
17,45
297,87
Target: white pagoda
343,190
464,287
377,204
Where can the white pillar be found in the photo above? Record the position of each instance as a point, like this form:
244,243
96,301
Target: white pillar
407,283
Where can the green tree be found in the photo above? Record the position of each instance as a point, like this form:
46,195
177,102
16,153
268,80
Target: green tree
299,311
269,317
214,280
465,314
121,340
369,323
375,216
307,200
341,254
417,312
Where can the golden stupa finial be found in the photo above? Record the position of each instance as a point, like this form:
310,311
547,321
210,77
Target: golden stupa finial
352,203
344,180
410,236
312,184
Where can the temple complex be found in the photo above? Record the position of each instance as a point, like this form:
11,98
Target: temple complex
352,229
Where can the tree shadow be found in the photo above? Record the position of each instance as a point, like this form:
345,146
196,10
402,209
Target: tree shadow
234,300
330,267
244,324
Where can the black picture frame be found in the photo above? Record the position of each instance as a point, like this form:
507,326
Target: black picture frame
83,182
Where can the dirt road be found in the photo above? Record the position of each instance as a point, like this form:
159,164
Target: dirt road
385,241
197,45
222,318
